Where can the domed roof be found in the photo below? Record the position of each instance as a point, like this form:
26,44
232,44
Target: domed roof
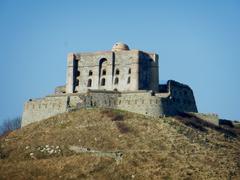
120,47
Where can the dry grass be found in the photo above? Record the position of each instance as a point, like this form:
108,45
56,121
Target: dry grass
151,148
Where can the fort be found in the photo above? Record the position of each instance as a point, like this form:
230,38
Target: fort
123,78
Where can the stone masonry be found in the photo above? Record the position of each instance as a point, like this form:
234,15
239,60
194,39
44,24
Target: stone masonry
120,79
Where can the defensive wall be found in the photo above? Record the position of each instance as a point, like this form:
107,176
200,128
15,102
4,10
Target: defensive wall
171,99
39,109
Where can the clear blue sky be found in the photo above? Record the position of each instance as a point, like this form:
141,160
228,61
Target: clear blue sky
198,43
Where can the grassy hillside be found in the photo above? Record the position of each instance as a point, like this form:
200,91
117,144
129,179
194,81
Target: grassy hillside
111,144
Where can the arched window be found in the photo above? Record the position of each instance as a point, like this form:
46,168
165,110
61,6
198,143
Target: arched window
116,81
117,72
77,82
89,84
128,80
104,72
129,71
90,73
78,73
103,82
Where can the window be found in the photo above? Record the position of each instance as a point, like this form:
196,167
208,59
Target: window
128,80
89,84
129,71
185,92
103,82
78,73
90,73
117,72
77,82
104,72
116,81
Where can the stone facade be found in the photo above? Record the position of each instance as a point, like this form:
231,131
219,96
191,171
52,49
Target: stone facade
122,70
38,109
121,79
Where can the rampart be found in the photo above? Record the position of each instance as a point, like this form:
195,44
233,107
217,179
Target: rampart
39,109
171,100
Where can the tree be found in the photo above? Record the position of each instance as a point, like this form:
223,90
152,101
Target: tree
10,125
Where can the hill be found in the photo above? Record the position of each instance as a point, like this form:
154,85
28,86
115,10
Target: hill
112,144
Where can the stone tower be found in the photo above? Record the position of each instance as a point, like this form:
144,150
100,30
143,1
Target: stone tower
120,69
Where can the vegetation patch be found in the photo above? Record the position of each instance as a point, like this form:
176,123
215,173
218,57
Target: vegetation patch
91,144
9,125
122,127
202,125
114,114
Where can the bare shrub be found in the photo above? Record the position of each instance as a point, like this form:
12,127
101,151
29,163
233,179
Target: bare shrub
10,125
118,117
122,127
115,115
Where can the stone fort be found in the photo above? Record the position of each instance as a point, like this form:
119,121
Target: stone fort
122,78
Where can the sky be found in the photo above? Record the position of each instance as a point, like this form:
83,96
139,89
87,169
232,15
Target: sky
198,43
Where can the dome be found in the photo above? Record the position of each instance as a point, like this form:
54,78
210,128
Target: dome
120,47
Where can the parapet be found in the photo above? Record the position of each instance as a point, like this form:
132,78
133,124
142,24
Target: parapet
175,99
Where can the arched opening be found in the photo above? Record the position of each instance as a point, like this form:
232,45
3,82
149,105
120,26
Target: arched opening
104,72
117,72
90,73
103,82
128,80
103,64
116,81
129,71
78,73
89,84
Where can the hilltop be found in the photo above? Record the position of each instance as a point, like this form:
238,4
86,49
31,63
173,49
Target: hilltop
113,144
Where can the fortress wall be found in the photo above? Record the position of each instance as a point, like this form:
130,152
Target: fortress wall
91,61
72,100
139,102
149,77
98,99
142,103
211,118
182,98
123,61
40,109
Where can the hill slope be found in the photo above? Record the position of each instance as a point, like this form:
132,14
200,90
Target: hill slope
111,144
